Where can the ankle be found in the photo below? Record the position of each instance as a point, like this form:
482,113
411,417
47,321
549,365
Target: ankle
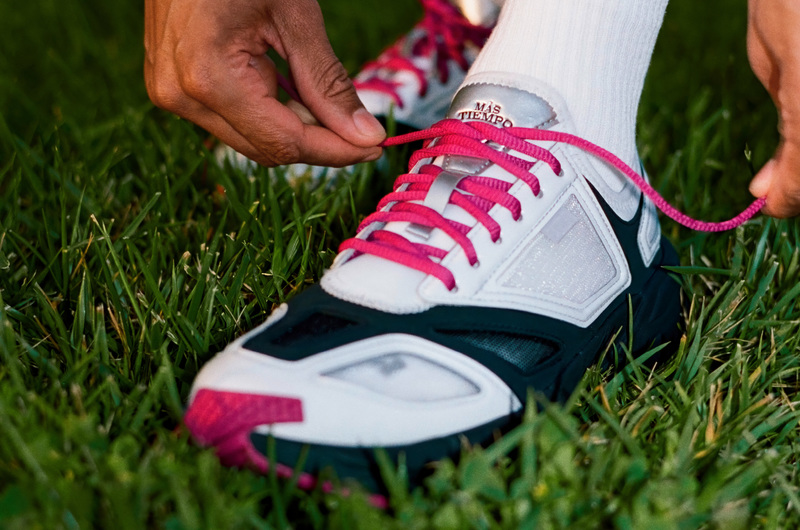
595,54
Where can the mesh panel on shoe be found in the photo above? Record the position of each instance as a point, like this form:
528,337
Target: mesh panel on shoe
406,377
567,260
314,326
523,351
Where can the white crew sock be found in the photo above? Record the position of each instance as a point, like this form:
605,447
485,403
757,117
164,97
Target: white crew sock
594,52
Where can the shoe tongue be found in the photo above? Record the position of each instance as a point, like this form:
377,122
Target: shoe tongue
500,105
503,106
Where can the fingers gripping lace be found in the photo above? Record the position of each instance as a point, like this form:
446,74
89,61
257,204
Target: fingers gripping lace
477,195
444,34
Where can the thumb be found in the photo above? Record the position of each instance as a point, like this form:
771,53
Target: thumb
779,181
759,186
322,81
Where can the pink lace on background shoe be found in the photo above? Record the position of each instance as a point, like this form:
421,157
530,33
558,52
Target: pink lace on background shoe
482,193
444,34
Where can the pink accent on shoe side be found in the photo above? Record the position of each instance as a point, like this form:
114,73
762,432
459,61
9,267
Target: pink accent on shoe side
454,137
216,415
445,33
225,421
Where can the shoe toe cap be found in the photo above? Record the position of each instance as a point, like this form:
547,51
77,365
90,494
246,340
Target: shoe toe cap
386,391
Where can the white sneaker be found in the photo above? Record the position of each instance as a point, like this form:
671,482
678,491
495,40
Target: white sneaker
415,78
503,262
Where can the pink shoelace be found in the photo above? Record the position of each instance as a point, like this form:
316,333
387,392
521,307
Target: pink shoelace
482,193
445,33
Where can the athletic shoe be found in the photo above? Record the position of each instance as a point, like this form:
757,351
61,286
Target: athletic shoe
415,78
506,260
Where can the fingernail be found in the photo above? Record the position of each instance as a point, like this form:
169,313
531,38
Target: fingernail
302,112
374,156
368,125
760,184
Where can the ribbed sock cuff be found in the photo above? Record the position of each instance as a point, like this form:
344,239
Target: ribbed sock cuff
594,52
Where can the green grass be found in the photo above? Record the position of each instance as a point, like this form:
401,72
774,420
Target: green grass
123,268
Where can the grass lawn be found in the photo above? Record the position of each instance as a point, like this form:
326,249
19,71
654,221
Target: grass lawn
128,257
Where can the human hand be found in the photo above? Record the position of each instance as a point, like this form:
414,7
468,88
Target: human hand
206,61
773,46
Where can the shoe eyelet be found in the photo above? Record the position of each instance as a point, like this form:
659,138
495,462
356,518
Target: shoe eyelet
518,219
454,290
476,265
499,241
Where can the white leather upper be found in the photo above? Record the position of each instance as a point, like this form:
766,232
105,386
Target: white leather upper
387,286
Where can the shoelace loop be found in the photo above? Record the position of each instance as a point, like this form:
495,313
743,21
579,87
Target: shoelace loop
478,195
444,35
